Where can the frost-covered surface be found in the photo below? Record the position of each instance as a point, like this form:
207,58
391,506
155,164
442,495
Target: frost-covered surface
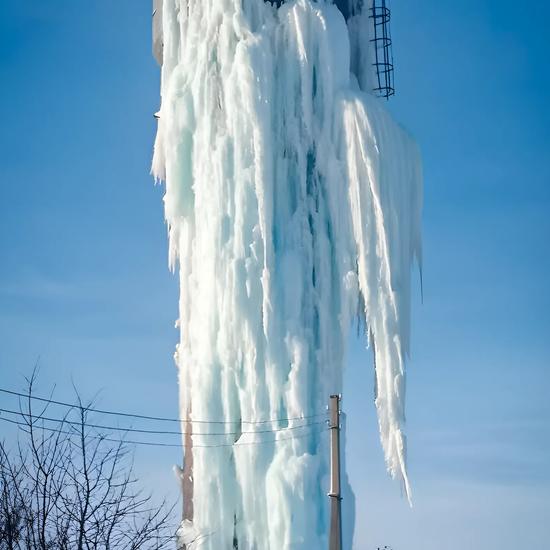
293,204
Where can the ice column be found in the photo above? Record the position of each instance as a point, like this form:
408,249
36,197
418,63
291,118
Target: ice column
292,202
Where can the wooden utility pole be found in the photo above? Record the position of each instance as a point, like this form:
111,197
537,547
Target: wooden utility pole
335,538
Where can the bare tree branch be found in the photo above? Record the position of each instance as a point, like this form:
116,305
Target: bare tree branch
68,488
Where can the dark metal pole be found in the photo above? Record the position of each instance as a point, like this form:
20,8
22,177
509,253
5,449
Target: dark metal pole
335,538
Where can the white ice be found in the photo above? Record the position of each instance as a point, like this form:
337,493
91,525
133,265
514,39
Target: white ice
293,204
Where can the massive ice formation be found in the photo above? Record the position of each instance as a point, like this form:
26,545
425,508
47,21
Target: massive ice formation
293,203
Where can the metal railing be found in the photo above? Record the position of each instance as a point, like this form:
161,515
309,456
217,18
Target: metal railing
380,16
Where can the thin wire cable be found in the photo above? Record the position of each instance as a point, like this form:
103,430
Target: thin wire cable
156,418
153,444
143,431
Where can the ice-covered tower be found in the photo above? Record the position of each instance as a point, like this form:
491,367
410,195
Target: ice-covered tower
293,205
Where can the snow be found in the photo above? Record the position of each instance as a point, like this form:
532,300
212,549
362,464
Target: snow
293,204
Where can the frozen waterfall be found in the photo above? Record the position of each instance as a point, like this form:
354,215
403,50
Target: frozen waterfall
293,204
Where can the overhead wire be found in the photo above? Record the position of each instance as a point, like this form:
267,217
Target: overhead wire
161,444
156,418
155,432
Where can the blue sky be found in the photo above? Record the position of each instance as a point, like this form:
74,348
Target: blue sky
84,283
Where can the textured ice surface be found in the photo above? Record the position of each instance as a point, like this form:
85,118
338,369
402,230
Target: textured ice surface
293,205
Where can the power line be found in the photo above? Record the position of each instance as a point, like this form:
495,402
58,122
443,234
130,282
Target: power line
143,431
155,418
153,444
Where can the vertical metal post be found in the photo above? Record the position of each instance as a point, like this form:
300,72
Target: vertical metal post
335,538
187,473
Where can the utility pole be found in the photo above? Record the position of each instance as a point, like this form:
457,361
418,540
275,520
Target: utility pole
335,538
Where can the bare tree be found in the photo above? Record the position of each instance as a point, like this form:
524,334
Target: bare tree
68,486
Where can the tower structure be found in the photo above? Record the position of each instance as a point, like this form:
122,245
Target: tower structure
376,29
293,205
